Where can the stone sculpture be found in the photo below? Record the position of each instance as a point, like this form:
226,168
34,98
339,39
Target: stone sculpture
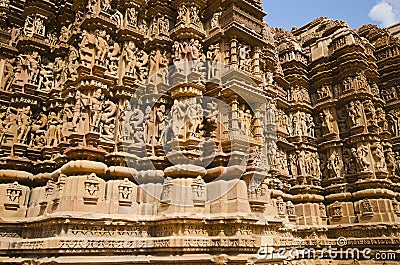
193,126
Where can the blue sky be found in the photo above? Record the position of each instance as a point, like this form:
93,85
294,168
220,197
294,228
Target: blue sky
288,13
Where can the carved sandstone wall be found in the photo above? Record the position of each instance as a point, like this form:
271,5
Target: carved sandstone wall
189,132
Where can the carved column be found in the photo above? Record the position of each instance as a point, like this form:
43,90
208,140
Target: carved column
234,62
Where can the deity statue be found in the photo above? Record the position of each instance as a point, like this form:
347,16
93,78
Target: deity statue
163,67
177,120
102,47
310,125
34,25
194,17
370,112
193,118
131,17
79,117
113,58
270,113
214,59
153,66
46,77
38,132
183,15
215,20
15,33
87,46
149,126
23,124
129,57
293,165
360,155
96,105
52,134
59,72
107,120
355,113
8,75
379,155
160,122
327,121
125,127
334,165
105,5
244,57
64,34
73,62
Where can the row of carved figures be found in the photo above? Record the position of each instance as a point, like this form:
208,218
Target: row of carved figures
118,60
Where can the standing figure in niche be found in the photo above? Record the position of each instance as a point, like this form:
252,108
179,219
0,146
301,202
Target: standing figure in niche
164,63
78,114
46,77
73,62
354,113
194,16
164,25
215,20
130,58
244,54
37,132
59,72
290,124
380,157
248,122
15,33
193,118
327,121
96,108
296,126
65,127
216,61
24,124
131,17
102,46
113,58
301,162
52,129
107,127
160,122
105,5
149,126
241,121
293,165
360,155
125,127
270,113
87,46
303,124
33,62
177,118
182,15
9,75
137,120
153,67
310,126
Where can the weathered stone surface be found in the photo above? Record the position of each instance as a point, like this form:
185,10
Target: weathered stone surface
190,132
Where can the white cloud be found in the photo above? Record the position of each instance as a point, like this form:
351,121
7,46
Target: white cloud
385,13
